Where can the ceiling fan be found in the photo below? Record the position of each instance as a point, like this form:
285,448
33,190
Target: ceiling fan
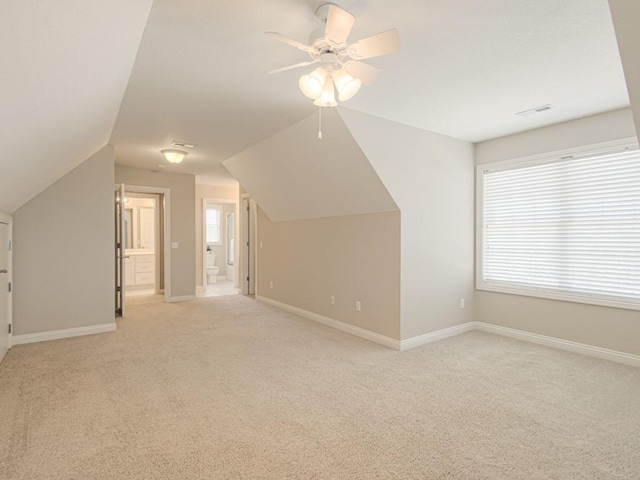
340,66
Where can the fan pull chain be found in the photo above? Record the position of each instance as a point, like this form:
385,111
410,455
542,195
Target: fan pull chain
319,123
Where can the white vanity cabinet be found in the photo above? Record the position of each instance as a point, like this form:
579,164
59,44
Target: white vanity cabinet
140,270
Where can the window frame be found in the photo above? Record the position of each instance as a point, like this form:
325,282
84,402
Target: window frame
482,285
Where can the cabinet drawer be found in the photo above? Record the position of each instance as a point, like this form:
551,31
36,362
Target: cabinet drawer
144,267
145,258
129,277
144,278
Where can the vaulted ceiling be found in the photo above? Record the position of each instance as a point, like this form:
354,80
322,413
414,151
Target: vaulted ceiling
140,73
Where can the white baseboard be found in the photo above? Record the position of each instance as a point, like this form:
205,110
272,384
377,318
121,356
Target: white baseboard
58,334
603,353
337,324
186,298
436,336
592,351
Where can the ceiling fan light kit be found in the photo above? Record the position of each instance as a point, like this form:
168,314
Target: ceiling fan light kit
340,66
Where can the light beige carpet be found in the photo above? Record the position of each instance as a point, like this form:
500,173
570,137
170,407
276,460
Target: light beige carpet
226,388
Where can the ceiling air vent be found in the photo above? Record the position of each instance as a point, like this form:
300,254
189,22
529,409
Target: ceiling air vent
175,143
531,111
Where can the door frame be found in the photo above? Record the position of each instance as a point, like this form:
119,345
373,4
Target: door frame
8,220
166,235
203,222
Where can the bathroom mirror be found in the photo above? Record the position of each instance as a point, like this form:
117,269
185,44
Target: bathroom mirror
128,228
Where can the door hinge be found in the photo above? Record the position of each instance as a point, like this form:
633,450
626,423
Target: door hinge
10,245
9,328
118,289
247,279
9,289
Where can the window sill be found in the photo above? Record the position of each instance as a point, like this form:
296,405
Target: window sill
560,296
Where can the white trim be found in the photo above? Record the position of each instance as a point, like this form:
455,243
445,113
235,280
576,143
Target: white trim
436,336
330,322
185,298
590,350
65,333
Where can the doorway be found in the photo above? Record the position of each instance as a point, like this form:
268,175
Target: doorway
142,245
219,248
143,256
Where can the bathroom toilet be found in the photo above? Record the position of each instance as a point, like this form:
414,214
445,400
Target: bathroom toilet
212,270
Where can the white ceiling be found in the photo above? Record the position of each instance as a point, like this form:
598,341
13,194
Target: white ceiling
465,68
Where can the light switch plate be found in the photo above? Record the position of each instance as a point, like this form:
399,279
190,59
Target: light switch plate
174,245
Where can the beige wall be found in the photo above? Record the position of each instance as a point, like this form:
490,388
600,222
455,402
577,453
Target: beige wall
219,193
354,257
430,177
605,327
64,251
183,226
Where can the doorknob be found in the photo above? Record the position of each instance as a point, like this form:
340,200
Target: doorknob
4,270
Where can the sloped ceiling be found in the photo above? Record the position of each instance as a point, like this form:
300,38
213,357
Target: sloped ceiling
626,18
294,176
64,70
464,70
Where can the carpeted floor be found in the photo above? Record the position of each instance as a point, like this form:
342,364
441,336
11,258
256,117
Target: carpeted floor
228,388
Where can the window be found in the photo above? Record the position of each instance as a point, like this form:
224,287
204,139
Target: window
213,226
564,227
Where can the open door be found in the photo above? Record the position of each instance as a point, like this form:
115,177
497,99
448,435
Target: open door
119,250
5,286
249,236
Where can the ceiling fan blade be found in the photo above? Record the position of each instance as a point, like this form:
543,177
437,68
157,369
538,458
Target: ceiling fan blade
339,24
289,41
365,73
377,45
291,67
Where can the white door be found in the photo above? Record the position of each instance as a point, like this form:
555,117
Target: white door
4,289
120,250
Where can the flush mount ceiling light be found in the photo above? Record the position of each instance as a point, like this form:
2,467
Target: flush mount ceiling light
174,156
340,67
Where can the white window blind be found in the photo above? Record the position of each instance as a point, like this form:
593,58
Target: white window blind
213,214
568,226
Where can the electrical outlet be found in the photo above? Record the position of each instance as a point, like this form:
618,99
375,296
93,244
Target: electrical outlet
333,300
270,284
462,303
358,306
